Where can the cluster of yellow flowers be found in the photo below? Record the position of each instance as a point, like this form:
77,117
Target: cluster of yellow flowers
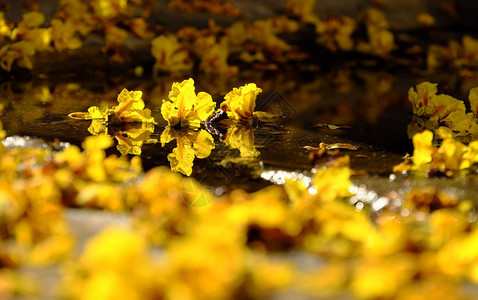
73,20
259,41
434,111
448,159
131,124
209,50
23,40
454,55
218,7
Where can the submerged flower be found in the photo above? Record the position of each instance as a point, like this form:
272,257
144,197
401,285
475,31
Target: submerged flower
240,102
186,108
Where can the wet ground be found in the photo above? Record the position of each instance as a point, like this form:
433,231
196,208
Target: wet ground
366,109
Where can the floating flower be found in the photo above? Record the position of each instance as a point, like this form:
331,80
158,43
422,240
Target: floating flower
130,109
240,102
186,108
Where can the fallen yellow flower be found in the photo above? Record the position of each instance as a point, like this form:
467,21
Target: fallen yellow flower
240,102
130,109
186,108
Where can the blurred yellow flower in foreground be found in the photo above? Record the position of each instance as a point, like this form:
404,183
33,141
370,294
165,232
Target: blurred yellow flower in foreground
114,264
449,158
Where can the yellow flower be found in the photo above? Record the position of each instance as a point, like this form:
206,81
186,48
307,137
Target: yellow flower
303,10
240,102
21,52
381,42
114,35
421,97
79,14
443,110
422,148
335,33
190,145
473,98
214,60
130,109
40,38
374,18
184,107
140,27
331,184
99,273
63,35
5,30
470,50
32,19
170,55
101,195
391,273
426,19
451,157
328,280
107,9
438,55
